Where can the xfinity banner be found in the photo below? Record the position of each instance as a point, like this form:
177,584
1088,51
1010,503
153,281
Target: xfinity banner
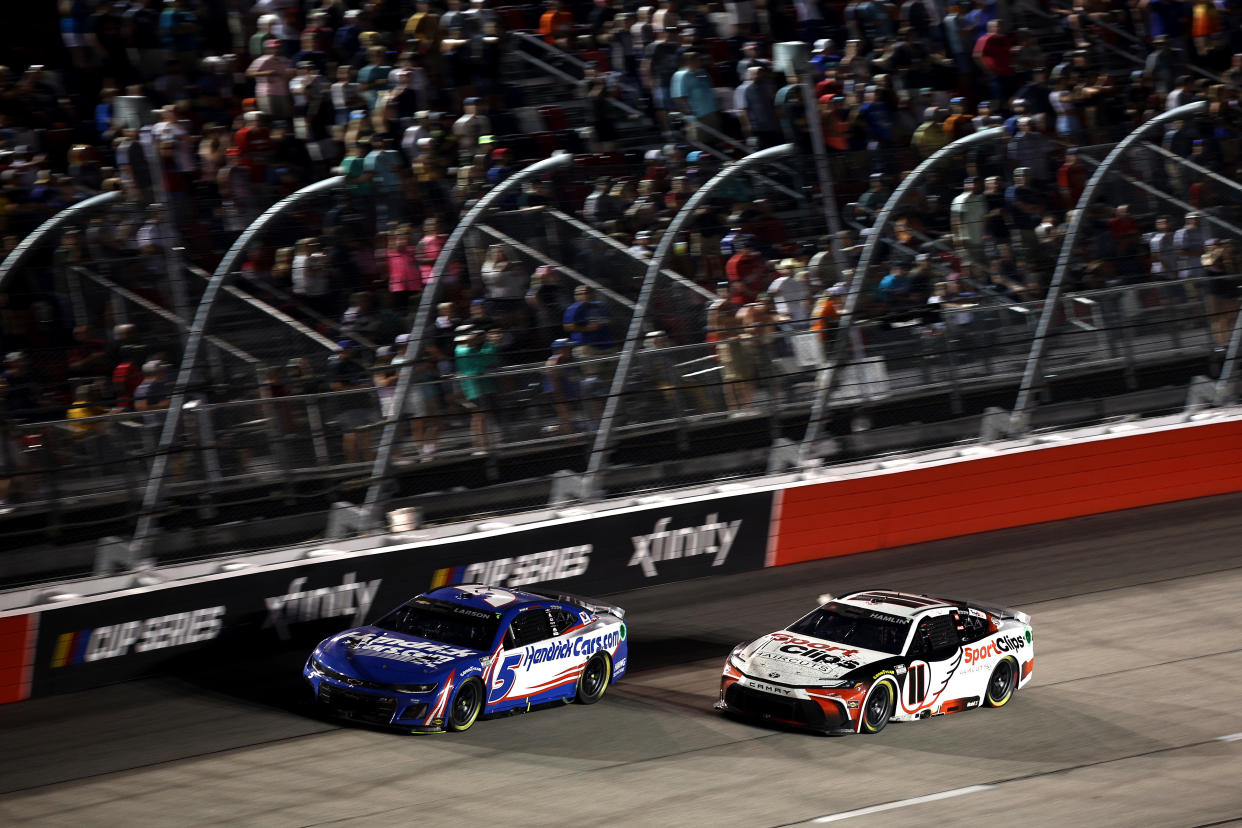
214,619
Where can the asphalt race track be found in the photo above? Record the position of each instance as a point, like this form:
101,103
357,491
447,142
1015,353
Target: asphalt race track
1138,633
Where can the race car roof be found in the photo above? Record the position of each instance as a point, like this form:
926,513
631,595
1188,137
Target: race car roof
483,597
889,601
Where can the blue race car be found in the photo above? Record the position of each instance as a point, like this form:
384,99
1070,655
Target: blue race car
444,658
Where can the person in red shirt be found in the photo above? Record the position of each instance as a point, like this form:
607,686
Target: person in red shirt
994,56
1072,178
254,146
747,272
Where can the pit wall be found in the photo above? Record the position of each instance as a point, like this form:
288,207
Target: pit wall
85,642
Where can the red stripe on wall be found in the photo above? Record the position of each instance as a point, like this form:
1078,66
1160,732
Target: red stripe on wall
17,650
1048,484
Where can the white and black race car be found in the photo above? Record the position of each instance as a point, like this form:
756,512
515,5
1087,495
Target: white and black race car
867,658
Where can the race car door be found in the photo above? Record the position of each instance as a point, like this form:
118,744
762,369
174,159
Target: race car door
935,657
535,663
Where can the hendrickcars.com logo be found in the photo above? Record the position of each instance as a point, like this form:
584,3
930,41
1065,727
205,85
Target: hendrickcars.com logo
535,568
140,636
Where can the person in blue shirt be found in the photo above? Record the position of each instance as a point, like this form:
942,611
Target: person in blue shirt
876,116
894,288
586,322
692,94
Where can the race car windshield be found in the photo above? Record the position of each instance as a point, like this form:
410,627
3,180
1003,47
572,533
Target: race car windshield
857,627
458,626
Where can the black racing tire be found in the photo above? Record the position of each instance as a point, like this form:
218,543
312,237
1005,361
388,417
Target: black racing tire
466,705
594,679
877,709
1002,682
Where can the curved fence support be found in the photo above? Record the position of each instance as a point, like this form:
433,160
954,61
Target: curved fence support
388,440
633,338
828,374
189,362
1019,421
67,216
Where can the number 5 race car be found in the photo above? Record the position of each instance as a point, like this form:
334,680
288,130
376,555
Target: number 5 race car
441,660
860,661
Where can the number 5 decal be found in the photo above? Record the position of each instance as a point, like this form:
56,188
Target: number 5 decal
505,677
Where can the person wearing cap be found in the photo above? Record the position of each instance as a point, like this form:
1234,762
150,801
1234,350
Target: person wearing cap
959,123
469,128
562,382
271,73
1188,241
387,171
968,218
692,92
930,135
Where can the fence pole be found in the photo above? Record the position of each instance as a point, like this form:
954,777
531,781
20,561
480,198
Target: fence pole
388,440
828,374
17,257
633,338
1019,421
189,362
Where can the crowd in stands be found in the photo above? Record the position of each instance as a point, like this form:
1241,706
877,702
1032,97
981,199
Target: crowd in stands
409,101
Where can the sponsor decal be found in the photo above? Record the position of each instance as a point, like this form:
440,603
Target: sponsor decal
141,636
884,616
423,653
1002,644
817,652
883,673
663,544
574,647
535,568
349,599
768,688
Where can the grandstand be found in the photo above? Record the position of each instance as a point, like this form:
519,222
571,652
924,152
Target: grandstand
397,254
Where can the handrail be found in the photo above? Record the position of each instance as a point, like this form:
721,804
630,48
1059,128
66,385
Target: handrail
165,314
604,238
1228,182
279,315
721,156
1138,41
527,250
568,78
1019,419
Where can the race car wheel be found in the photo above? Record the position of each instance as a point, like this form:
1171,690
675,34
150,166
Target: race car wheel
594,679
466,704
1000,685
877,709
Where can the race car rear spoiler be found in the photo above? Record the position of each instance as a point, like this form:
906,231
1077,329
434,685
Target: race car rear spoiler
591,604
998,611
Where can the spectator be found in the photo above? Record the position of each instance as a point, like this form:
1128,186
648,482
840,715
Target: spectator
1188,241
968,215
477,356
692,92
1163,254
346,373
271,73
747,272
587,323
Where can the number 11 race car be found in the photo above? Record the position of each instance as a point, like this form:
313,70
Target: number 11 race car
442,659
865,659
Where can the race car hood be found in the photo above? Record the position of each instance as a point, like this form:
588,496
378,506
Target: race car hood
795,659
377,655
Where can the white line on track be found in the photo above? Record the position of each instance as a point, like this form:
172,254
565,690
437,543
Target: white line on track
901,803
1232,737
